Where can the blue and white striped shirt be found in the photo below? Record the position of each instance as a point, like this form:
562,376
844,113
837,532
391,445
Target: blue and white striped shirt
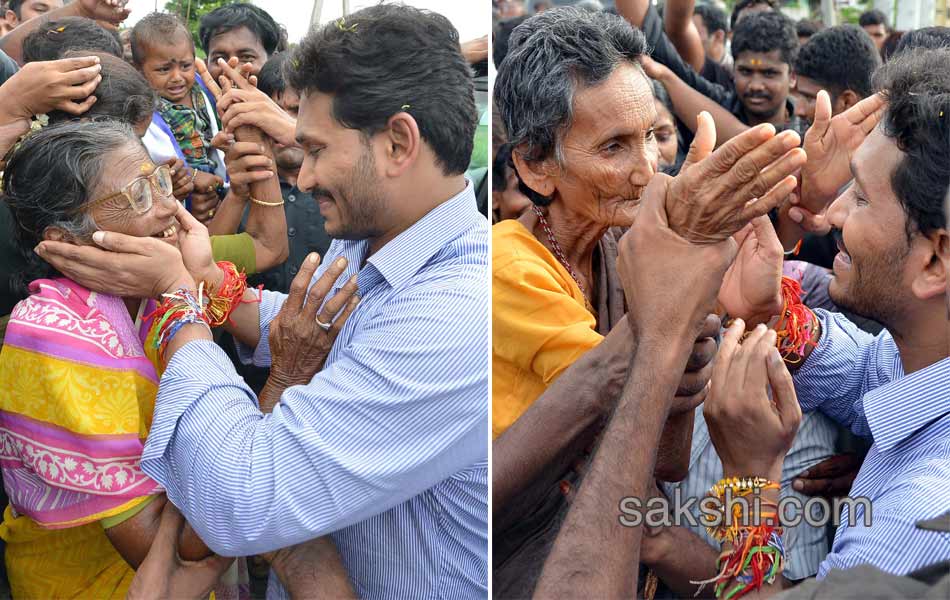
859,381
386,447
806,546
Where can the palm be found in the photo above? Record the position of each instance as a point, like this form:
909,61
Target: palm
750,287
102,10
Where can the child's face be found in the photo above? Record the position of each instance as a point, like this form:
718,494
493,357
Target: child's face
170,69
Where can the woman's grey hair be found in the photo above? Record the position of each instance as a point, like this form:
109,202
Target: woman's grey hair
550,56
48,179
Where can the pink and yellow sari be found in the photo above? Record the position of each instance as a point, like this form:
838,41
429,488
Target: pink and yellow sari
77,393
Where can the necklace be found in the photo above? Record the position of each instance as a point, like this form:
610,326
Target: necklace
558,253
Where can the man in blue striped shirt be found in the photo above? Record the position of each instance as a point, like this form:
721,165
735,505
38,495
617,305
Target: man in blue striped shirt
894,388
381,439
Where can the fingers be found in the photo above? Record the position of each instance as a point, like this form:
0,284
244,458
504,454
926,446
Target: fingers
76,108
766,237
809,221
223,141
79,63
127,244
694,382
78,76
212,85
321,288
751,170
772,199
339,301
727,155
704,351
300,284
81,91
711,327
867,112
249,177
822,116
730,343
832,467
188,222
783,391
703,142
748,365
235,77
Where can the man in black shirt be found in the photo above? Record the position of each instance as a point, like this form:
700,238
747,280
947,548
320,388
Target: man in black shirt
713,28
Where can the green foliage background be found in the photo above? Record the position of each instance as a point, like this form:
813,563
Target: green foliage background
190,12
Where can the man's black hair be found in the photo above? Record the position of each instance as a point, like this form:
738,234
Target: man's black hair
714,18
872,17
838,59
271,78
499,44
741,5
240,14
156,27
926,37
917,118
390,58
806,28
766,32
55,38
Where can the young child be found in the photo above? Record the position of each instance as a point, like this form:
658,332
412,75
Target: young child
185,121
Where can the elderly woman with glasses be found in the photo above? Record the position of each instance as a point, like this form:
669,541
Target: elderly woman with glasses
77,387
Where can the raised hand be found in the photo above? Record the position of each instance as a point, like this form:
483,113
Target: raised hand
475,51
717,193
752,287
247,163
182,185
42,86
751,431
829,144
109,11
240,107
300,337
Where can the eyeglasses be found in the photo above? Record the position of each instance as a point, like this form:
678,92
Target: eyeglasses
139,192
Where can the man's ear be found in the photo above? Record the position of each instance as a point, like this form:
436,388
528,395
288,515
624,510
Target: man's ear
539,175
10,17
402,143
934,260
719,37
844,101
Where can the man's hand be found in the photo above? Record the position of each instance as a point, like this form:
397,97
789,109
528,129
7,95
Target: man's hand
829,144
42,86
475,51
247,162
672,297
181,178
831,478
752,287
298,344
717,193
239,107
750,431
109,11
163,574
694,385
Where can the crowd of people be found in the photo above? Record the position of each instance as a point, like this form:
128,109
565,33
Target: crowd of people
243,305
719,271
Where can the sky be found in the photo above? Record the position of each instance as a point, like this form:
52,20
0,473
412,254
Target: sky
471,17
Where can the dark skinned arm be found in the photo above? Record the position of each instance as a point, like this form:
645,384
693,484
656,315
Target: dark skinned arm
679,27
133,538
579,565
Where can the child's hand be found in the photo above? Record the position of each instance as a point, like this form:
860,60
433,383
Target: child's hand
204,198
43,86
181,178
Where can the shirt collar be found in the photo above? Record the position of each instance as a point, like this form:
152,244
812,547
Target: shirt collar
405,254
897,410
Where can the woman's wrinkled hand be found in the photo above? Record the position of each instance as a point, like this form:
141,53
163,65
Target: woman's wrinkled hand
718,192
298,344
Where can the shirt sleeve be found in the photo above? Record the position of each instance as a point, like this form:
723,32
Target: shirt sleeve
401,408
536,323
846,364
237,248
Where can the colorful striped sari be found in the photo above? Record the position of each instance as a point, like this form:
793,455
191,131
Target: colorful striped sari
77,393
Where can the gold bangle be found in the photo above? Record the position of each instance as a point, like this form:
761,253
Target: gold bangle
262,203
194,174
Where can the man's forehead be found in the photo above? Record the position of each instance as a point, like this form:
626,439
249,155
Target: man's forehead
761,60
876,157
314,116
